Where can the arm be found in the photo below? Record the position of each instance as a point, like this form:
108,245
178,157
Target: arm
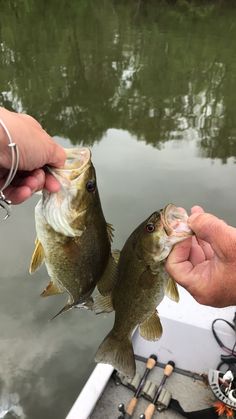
206,264
36,149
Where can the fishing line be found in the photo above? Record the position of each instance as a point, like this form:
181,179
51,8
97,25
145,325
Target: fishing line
231,357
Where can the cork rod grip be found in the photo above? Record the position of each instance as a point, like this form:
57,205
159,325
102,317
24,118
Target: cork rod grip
168,370
150,363
131,406
149,412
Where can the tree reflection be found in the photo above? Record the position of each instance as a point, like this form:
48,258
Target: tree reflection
164,72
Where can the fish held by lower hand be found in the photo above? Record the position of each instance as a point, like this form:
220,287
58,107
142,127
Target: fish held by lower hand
141,284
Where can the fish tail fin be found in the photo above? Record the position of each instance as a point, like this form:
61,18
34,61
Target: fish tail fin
118,352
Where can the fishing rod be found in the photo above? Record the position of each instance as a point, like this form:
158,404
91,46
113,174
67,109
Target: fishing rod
129,410
149,412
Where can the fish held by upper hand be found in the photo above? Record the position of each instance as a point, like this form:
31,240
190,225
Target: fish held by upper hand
73,238
141,284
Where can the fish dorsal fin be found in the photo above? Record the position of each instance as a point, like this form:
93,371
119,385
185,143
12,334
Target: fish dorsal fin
108,279
171,290
37,257
151,329
110,231
102,304
52,289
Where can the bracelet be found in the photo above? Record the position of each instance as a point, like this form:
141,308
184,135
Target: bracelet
5,204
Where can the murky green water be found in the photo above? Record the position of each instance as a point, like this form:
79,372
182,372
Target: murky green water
151,88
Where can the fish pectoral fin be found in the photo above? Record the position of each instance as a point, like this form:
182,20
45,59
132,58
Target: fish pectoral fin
110,231
102,304
67,307
151,329
87,305
37,257
171,290
107,281
52,289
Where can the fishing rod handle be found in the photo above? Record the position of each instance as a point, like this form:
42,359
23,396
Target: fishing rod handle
131,406
151,362
149,412
169,368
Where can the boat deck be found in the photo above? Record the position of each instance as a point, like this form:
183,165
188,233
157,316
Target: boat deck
189,389
188,340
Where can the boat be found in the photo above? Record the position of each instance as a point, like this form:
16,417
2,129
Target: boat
187,340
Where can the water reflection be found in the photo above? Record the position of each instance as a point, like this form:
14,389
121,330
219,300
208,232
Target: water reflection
155,71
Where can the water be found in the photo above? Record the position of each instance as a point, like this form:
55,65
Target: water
151,89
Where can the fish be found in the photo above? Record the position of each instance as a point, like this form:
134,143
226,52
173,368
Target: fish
140,285
73,238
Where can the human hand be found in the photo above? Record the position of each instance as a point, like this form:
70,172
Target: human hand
205,264
36,149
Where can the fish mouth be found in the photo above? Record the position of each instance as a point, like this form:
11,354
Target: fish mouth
175,221
76,161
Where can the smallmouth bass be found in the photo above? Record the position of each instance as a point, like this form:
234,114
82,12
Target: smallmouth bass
73,238
140,285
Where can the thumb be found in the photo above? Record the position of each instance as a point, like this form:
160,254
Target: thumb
214,231
58,155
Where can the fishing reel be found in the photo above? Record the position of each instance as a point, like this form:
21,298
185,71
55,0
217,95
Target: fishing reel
121,409
223,387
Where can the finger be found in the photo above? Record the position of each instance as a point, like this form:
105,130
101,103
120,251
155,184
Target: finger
58,155
35,180
197,254
206,248
214,231
177,264
180,272
18,194
39,179
196,209
51,183
180,251
24,186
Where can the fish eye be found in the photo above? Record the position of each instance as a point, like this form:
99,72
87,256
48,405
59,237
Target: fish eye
91,185
150,227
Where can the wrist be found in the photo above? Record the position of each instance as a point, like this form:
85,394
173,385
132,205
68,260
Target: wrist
13,165
5,152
